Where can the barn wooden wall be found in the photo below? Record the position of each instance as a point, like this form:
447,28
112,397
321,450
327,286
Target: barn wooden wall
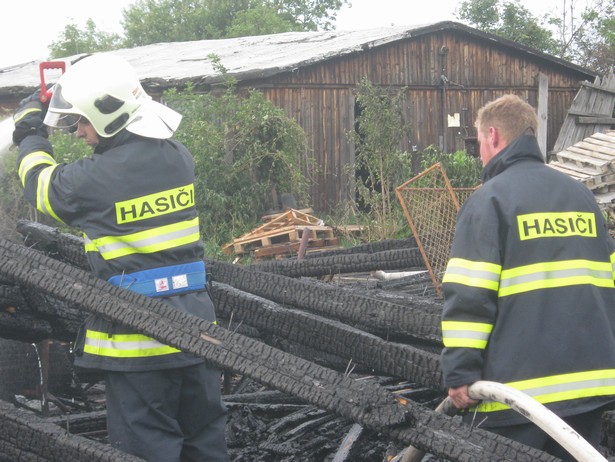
321,97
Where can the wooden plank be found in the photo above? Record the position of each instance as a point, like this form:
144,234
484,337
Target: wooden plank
599,88
592,140
285,236
599,166
595,120
543,112
273,216
600,181
608,136
598,148
286,230
291,248
572,172
594,154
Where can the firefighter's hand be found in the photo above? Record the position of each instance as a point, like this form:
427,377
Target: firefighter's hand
29,118
460,397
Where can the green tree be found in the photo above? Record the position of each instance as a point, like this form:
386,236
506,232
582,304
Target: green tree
587,35
508,19
260,20
583,35
309,14
73,41
380,164
155,21
244,148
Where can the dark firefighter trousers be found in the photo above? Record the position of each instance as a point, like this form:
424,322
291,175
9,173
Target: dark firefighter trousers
168,415
588,425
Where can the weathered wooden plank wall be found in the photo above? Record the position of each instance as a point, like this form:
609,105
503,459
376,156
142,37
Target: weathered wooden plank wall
444,73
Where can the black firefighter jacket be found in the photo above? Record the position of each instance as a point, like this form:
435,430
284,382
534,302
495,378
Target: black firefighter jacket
529,293
133,199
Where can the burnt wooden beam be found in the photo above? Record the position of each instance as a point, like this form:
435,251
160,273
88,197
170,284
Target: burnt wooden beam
26,438
51,241
403,258
418,318
153,317
363,402
368,248
31,317
381,356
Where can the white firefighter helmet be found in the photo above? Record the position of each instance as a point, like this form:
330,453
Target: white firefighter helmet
105,89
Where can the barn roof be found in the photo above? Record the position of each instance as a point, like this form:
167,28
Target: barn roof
257,57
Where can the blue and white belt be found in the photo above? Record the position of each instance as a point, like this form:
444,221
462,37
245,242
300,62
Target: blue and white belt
164,281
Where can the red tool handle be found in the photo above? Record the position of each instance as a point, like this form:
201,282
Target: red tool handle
43,66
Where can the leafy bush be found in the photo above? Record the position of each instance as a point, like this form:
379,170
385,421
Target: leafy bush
246,151
462,170
380,163
13,206
243,148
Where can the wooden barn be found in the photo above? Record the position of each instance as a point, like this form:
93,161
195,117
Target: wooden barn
449,71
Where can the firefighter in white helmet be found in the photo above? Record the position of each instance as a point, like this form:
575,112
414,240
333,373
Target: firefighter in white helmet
134,202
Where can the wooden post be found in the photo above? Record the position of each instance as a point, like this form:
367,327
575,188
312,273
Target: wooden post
543,113
303,244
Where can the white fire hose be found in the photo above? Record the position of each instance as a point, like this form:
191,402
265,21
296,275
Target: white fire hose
551,424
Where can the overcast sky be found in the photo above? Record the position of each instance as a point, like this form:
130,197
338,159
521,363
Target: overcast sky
29,26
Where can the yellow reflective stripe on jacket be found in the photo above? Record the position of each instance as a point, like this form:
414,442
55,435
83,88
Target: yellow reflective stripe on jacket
555,274
561,388
42,192
32,160
473,273
150,241
88,244
613,264
24,113
458,334
124,345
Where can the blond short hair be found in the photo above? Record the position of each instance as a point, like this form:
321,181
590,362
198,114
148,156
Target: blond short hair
510,115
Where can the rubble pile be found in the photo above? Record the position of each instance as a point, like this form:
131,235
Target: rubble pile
322,360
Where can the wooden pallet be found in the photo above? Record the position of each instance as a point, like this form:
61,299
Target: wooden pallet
591,161
285,235
290,249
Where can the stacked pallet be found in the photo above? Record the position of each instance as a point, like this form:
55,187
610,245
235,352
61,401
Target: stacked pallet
591,161
281,236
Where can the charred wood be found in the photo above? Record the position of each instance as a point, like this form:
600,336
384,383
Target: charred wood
30,317
26,438
385,358
608,430
363,402
24,327
404,258
368,247
348,442
262,397
54,243
419,319
155,318
20,364
85,422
